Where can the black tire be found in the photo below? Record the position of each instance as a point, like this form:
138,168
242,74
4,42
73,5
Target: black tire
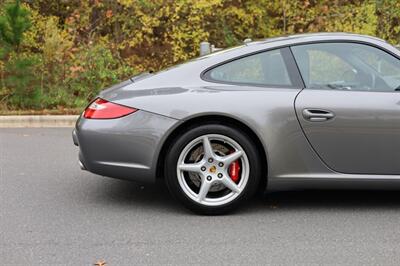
255,173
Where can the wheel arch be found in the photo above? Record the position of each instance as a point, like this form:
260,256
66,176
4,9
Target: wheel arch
211,119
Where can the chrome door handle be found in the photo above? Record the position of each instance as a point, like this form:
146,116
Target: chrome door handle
317,115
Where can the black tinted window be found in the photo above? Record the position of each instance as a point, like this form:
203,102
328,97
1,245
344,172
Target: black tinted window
267,68
347,66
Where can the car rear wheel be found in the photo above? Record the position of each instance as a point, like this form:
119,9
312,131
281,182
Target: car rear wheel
211,169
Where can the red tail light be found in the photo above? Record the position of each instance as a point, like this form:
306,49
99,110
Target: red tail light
102,109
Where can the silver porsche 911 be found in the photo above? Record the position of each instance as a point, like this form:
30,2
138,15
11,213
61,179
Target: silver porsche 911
303,111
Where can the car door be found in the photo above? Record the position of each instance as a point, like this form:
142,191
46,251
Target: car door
350,108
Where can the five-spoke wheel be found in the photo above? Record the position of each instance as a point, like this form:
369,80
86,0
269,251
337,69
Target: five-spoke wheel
209,168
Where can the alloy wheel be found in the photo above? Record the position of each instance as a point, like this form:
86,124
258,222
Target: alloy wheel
204,170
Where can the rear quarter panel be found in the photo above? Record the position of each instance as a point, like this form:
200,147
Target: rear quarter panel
269,112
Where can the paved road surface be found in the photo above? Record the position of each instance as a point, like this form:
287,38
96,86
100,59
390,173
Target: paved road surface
54,213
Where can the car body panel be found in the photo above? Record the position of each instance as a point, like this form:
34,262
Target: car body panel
288,151
123,148
169,98
364,135
253,108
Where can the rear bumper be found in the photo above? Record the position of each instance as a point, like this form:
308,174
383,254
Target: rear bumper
124,148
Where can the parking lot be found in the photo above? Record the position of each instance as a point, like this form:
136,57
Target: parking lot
54,213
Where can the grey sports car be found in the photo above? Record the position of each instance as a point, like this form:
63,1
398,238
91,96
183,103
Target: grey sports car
302,111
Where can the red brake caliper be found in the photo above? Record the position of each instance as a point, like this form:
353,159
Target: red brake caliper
234,170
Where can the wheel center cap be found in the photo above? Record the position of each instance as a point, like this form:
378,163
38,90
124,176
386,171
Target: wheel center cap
213,169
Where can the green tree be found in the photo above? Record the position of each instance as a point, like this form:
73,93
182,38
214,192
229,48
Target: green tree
18,74
13,25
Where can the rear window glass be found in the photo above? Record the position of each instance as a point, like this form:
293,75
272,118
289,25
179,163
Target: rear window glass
267,68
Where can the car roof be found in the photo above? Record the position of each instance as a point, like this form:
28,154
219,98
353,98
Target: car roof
299,38
290,40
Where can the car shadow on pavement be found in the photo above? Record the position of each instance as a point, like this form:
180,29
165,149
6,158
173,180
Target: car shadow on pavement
156,198
311,200
130,195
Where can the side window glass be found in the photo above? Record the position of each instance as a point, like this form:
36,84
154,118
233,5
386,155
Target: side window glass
267,68
336,71
347,66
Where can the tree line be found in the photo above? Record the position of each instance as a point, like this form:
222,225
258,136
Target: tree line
59,54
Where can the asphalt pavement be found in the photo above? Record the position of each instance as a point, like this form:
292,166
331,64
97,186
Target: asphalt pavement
52,213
